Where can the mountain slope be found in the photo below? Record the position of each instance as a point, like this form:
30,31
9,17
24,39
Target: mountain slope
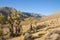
53,16
8,10
52,27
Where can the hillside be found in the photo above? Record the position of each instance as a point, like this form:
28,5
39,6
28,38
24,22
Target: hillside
14,20
6,10
50,28
9,10
53,16
33,27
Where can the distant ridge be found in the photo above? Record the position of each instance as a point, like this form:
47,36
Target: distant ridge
8,10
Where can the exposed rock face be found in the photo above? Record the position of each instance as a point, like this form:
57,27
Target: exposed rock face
26,15
28,36
53,35
7,10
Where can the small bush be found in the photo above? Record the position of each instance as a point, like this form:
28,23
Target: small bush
1,32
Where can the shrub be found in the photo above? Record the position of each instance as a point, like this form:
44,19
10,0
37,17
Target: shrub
2,19
1,32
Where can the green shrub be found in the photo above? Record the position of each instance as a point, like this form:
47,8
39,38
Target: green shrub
2,19
1,32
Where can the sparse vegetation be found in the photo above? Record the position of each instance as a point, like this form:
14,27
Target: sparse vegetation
28,28
2,19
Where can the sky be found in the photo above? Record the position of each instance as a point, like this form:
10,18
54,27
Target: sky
44,7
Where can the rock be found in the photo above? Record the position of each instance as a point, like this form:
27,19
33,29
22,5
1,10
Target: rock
28,36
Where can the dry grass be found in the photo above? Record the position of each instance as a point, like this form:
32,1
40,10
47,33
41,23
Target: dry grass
52,23
17,38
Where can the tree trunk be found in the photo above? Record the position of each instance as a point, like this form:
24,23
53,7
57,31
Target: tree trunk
11,28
